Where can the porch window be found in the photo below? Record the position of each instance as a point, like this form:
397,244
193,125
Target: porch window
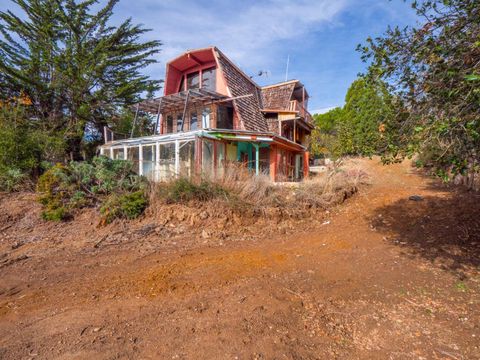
193,120
224,117
182,84
133,156
193,80
206,118
148,164
179,122
208,79
169,124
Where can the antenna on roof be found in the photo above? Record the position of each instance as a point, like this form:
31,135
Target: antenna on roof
261,73
286,71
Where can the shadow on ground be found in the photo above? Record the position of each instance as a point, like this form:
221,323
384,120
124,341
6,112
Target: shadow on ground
443,229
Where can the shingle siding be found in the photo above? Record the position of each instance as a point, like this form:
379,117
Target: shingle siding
277,97
248,108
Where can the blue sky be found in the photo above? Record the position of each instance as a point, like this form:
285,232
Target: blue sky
319,36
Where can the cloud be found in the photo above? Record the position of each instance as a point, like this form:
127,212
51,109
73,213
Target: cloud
249,32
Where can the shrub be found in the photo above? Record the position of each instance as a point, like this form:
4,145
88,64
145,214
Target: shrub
185,190
63,189
12,179
126,206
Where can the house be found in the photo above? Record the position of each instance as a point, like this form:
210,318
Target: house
212,114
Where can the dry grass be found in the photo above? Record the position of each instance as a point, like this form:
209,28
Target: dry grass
238,188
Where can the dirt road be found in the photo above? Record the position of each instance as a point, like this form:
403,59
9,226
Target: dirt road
380,277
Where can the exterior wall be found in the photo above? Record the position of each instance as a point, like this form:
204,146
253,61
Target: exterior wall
248,108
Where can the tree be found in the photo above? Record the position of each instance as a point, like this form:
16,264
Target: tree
434,70
368,107
324,135
77,69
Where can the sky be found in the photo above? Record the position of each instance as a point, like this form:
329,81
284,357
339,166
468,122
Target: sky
318,37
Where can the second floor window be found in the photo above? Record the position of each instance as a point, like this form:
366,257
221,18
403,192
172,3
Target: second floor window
193,120
193,80
208,79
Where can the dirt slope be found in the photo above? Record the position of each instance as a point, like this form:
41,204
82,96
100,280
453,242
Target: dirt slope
379,277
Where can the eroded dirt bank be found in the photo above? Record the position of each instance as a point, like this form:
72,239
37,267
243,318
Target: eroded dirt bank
380,276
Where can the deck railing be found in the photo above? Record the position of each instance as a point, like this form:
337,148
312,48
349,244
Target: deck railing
295,105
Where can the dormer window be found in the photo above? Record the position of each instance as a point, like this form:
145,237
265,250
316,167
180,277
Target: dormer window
193,80
208,79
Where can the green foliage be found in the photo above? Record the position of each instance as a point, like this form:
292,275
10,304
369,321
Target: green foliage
76,68
357,128
126,206
11,179
63,189
368,107
185,190
324,135
433,69
23,146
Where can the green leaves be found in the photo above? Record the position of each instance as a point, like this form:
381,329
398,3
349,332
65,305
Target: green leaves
435,71
77,68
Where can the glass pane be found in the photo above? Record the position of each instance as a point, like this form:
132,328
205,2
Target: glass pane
179,122
220,159
166,162
148,152
193,80
193,121
182,84
208,79
118,154
207,157
133,156
169,124
206,118
224,117
187,158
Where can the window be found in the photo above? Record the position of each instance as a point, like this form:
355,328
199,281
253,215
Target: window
179,122
193,120
224,117
169,124
206,118
208,79
182,85
193,80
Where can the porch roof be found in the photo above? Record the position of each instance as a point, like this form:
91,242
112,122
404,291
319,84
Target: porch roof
174,101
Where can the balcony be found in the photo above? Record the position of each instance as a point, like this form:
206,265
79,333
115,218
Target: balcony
295,105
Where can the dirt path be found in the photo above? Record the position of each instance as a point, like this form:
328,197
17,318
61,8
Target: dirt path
384,277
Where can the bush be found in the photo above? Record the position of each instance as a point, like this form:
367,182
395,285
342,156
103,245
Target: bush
63,189
12,179
126,206
185,190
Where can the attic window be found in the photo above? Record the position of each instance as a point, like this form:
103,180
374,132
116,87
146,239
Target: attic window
193,80
208,79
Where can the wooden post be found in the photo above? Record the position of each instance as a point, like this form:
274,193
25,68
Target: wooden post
177,157
140,159
157,161
306,165
295,130
134,120
273,163
257,158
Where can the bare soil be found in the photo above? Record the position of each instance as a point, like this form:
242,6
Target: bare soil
378,277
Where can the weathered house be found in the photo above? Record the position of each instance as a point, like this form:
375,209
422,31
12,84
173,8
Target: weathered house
212,114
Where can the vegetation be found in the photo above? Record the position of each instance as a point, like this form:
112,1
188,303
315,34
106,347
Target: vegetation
355,129
186,190
434,70
110,183
77,71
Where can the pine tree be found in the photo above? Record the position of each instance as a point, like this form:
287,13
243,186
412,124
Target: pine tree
77,69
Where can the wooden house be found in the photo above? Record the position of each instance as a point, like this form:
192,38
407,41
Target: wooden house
211,114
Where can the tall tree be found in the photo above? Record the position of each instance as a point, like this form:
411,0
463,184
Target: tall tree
368,106
78,70
323,141
435,71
